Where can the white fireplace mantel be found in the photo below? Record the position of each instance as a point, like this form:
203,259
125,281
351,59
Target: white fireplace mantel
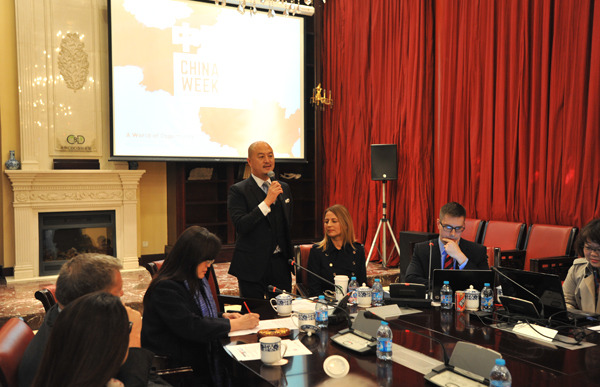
72,190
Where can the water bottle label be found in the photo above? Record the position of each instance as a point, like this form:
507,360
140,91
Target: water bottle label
487,303
377,296
384,344
322,315
496,383
446,299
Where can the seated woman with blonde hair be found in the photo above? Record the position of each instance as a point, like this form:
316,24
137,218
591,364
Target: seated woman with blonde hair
338,253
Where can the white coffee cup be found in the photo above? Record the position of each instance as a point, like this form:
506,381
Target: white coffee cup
363,296
271,349
283,304
304,317
342,281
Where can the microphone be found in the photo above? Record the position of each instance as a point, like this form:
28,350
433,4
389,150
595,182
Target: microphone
274,289
271,175
499,272
338,287
373,316
429,286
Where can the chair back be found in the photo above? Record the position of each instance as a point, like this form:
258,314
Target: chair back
46,296
154,266
15,336
301,253
544,240
505,235
473,230
211,276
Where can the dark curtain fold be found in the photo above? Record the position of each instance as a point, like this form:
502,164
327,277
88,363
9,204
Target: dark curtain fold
378,62
495,104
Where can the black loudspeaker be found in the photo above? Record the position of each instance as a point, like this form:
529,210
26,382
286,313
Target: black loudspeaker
384,162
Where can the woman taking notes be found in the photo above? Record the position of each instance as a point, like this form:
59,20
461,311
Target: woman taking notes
181,320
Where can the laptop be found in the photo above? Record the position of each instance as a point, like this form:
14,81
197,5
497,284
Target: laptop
461,280
547,298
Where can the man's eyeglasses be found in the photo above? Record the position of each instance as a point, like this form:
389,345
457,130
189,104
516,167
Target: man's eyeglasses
449,228
592,250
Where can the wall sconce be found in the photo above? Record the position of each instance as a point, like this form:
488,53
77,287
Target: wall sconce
319,100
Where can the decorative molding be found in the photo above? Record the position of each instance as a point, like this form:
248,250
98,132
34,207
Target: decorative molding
72,190
73,61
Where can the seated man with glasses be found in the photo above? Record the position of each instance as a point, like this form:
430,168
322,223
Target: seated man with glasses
448,251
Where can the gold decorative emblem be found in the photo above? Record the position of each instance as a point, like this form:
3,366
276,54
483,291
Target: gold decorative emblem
73,61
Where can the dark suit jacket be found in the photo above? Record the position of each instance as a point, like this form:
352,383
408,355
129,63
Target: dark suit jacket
173,326
331,262
417,269
254,231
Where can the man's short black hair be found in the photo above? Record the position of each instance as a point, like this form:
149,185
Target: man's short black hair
453,209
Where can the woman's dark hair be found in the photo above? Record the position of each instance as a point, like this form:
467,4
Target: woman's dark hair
88,343
194,246
590,233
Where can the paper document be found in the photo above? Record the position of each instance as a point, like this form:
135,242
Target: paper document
285,322
245,352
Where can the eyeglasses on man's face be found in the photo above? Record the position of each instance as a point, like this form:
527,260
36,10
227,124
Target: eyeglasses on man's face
449,228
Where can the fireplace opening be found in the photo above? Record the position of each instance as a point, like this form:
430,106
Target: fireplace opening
66,234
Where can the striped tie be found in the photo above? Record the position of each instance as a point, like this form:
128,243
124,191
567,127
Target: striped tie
448,261
265,187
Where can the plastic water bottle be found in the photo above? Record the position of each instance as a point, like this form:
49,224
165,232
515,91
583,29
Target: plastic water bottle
500,376
446,296
487,298
377,293
352,286
384,342
321,314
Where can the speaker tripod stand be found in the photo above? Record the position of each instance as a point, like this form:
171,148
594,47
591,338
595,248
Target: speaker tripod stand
384,221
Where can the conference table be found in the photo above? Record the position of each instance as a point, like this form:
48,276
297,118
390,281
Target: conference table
531,362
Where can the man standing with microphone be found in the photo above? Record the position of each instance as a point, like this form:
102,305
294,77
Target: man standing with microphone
449,251
261,210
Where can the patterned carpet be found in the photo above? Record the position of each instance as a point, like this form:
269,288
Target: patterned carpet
17,298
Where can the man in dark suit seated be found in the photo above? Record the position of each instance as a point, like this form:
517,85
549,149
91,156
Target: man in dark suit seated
449,251
261,210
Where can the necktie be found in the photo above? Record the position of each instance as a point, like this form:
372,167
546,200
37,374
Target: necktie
265,186
448,261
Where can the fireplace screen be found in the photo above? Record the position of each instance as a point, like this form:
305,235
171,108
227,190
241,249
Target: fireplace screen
66,234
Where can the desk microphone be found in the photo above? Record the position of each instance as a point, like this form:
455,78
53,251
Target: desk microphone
294,263
498,271
373,316
333,319
274,289
429,286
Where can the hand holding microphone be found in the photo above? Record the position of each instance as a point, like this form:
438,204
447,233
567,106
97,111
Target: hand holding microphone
275,189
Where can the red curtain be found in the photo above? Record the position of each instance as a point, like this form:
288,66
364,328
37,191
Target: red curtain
495,104
517,101
378,63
